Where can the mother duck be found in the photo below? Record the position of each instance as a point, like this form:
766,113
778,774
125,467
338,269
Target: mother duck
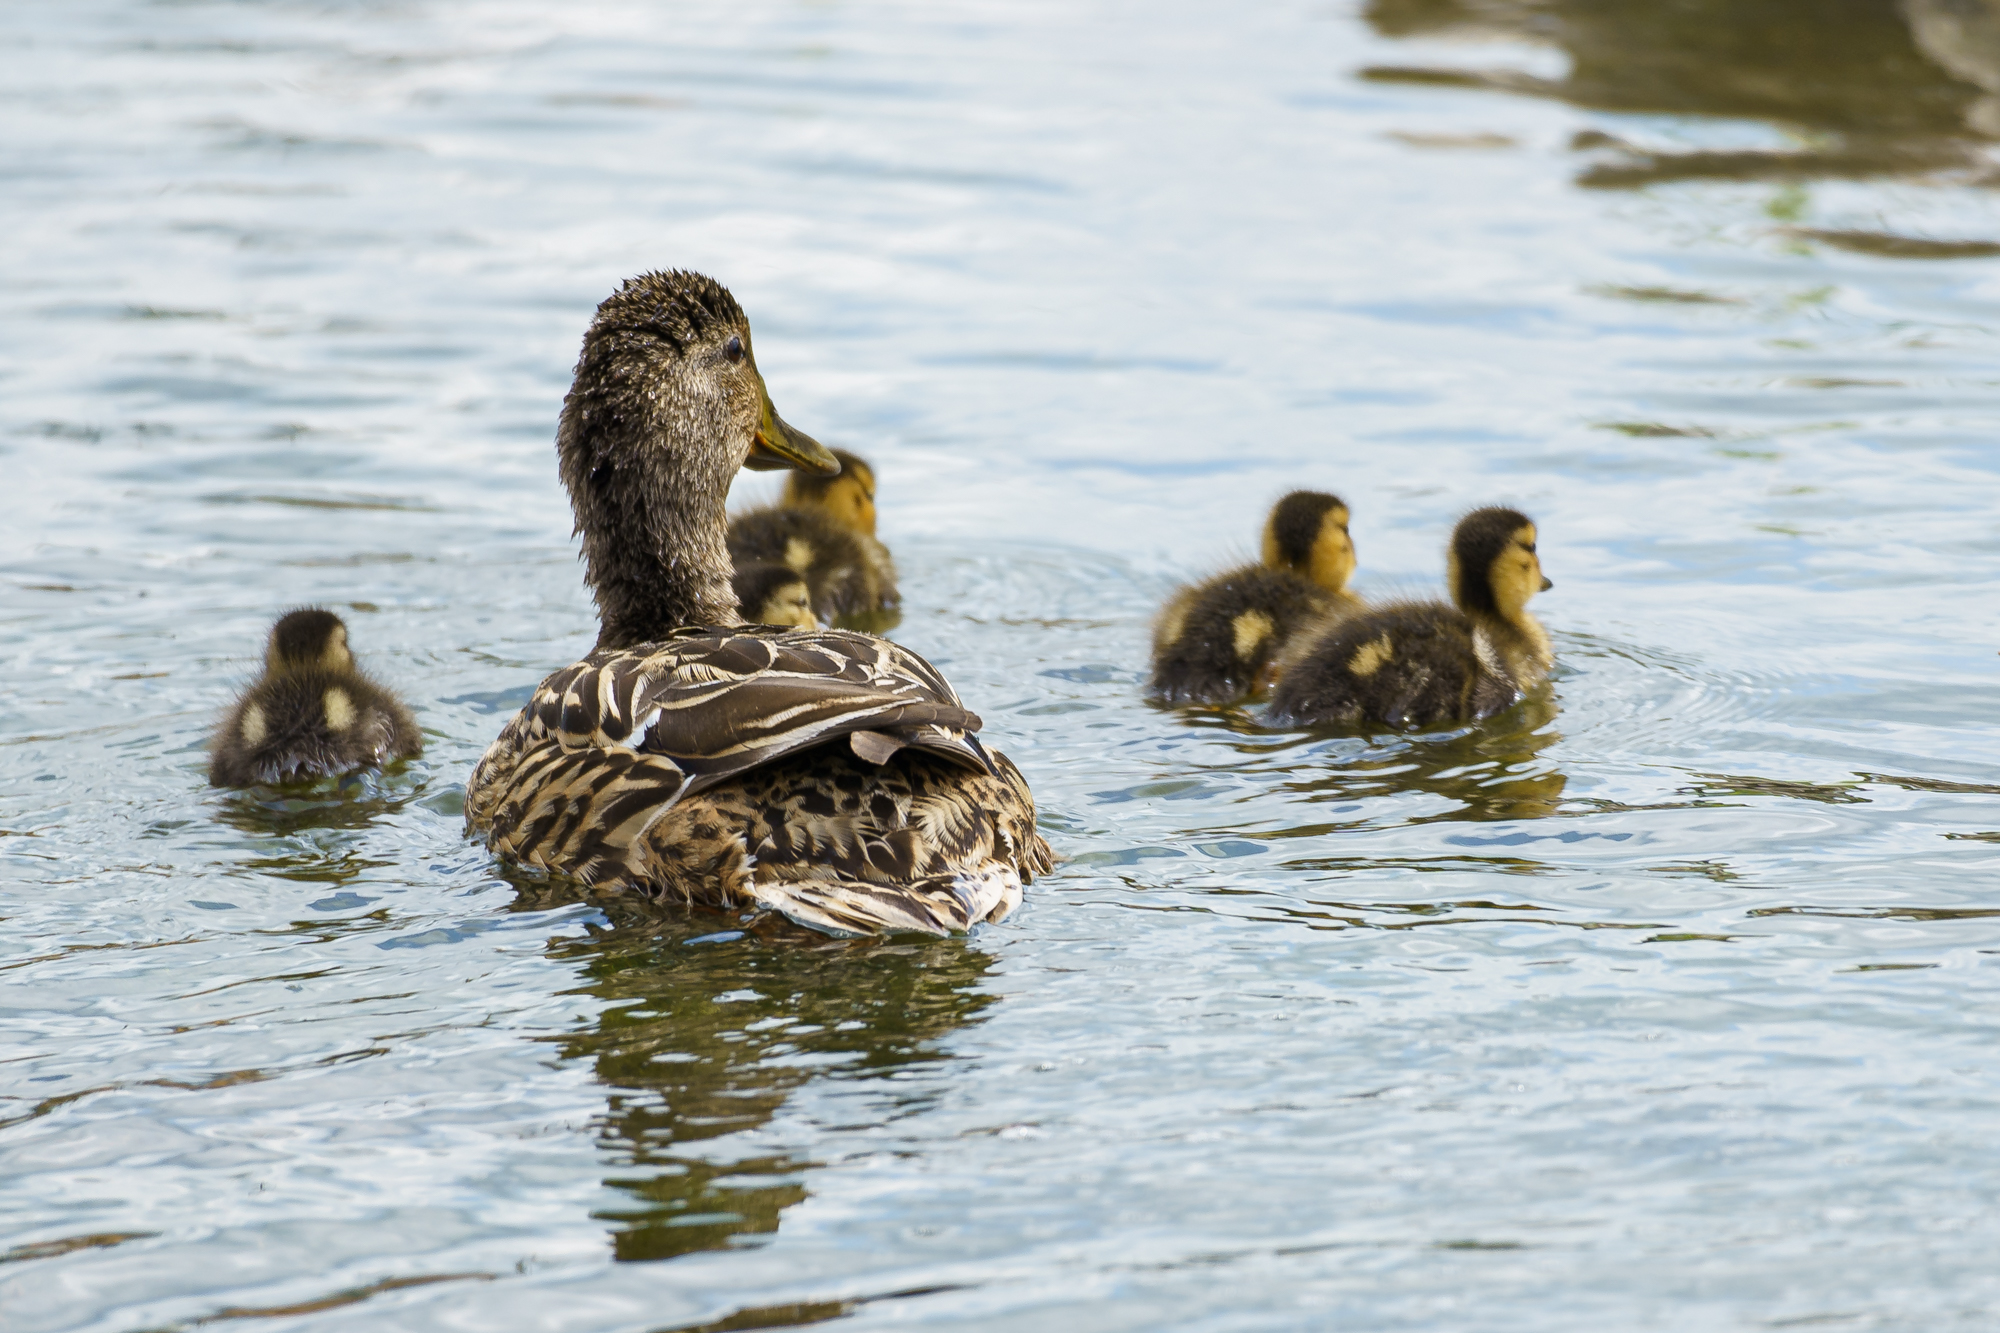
829,776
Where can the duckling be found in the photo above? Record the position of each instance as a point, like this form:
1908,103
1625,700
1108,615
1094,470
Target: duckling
829,776
848,495
825,529
1214,641
1413,664
312,713
768,594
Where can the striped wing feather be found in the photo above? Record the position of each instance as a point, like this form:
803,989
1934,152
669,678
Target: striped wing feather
683,768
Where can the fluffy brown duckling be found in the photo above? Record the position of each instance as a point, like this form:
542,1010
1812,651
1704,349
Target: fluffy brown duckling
772,594
824,528
1214,641
1413,664
313,713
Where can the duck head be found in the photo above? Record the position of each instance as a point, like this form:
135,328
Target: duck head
308,639
773,594
1307,534
666,405
848,498
1492,567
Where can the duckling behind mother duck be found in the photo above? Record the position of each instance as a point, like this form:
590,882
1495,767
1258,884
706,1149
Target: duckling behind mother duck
830,776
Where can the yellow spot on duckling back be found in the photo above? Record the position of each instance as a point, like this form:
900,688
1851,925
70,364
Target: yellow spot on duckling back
253,725
798,554
1251,628
1368,659
339,709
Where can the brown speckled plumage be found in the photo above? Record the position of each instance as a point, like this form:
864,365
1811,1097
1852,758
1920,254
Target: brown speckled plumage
829,776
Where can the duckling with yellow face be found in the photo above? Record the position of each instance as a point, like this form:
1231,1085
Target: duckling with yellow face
1416,664
824,530
1214,641
313,713
769,594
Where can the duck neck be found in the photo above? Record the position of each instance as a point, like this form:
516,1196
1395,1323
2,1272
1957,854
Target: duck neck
654,537
1521,644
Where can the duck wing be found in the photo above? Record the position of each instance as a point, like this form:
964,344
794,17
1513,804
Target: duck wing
718,702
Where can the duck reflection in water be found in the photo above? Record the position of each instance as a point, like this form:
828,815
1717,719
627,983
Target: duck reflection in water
703,1042
1883,87
1491,771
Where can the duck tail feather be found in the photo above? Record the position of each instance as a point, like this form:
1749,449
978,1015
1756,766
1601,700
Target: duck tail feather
935,905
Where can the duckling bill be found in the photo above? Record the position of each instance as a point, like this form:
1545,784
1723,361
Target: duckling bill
313,713
1416,664
824,529
1214,642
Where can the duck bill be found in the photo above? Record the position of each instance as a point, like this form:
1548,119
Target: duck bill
777,445
1547,583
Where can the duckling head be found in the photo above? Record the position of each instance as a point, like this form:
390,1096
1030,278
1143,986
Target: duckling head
848,498
1307,534
308,639
773,594
667,404
1492,566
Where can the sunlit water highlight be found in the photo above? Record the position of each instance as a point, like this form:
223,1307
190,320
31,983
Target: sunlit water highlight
1667,1000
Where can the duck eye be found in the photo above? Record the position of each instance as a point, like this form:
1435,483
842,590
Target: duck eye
733,349
1529,547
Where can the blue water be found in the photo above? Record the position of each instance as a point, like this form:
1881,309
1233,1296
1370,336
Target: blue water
1669,1001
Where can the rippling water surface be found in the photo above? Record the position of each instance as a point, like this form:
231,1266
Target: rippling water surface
1668,1000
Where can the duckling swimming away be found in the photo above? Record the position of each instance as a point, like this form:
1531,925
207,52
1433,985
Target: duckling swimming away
824,528
312,713
829,776
1214,641
768,594
1413,664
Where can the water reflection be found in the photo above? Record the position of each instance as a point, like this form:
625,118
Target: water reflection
1875,87
350,803
712,1029
1491,771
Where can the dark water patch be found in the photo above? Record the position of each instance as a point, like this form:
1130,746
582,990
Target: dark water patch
1884,913
1664,295
1481,142
50,1249
1728,784
339,1299
1892,246
1644,430
700,1044
1862,66
1890,967
1636,170
378,503
804,1314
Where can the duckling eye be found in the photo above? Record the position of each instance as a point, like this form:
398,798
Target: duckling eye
733,349
1529,547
